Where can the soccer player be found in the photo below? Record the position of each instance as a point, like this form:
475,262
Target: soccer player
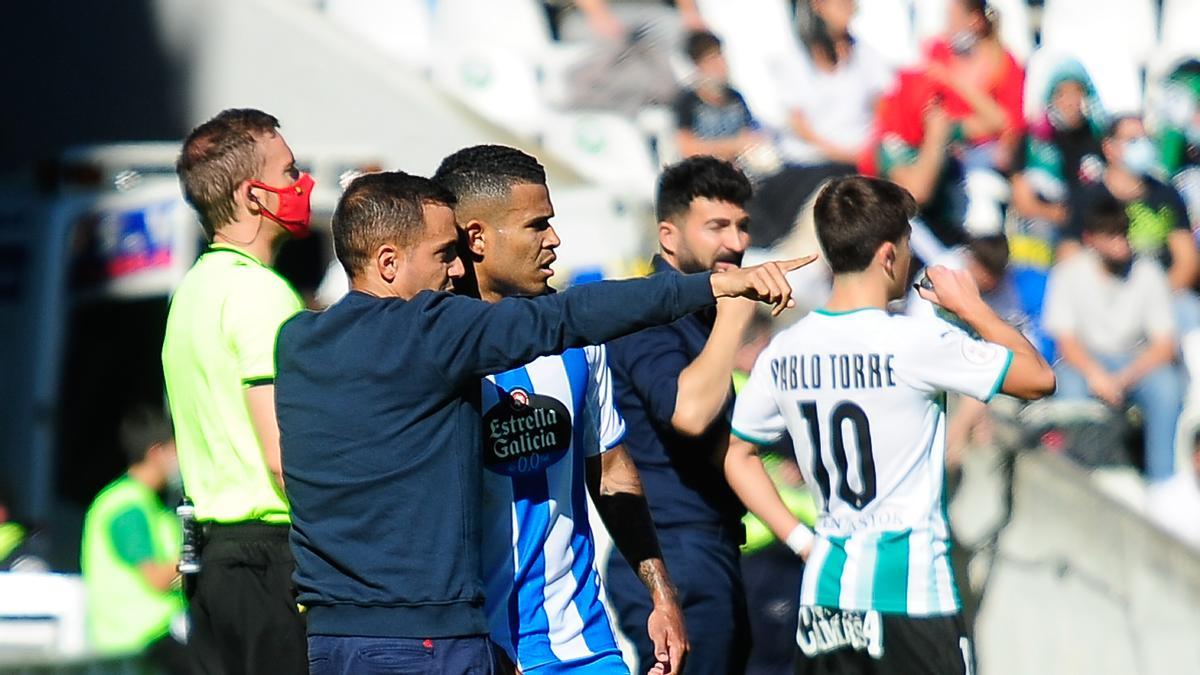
378,400
541,453
863,395
218,361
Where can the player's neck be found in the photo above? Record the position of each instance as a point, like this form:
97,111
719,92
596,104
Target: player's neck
856,291
261,246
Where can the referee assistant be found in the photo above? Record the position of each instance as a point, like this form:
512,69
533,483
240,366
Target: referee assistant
218,359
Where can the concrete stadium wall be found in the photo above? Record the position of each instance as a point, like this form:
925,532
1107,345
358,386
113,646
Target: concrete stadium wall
1081,584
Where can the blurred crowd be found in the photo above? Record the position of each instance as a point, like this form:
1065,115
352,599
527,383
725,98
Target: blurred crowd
1078,221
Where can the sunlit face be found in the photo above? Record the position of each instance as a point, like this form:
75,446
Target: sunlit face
278,169
710,235
1130,129
432,263
713,67
1113,249
1068,100
515,244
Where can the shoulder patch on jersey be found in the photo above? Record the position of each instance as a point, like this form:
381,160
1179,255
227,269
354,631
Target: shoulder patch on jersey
979,353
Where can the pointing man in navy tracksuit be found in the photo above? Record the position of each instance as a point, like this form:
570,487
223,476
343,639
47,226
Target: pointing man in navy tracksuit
379,412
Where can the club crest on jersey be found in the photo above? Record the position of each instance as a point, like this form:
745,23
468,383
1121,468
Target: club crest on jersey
525,432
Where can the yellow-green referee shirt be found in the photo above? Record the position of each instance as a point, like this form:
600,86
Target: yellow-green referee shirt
220,340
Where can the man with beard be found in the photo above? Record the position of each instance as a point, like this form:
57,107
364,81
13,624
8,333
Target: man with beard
674,387
551,435
1110,313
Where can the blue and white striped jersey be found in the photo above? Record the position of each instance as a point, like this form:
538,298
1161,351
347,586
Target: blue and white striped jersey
543,591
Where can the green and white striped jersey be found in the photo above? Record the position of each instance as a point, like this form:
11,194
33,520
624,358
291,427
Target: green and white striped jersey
863,395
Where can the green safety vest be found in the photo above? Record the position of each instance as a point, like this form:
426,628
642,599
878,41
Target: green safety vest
125,614
11,536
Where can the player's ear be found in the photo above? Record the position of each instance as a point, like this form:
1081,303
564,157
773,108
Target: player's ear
473,237
668,236
885,255
387,262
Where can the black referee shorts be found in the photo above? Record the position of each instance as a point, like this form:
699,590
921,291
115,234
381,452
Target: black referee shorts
242,604
843,642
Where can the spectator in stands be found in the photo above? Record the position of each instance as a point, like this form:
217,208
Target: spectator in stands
1110,312
980,84
712,117
830,86
130,550
1158,222
1179,137
583,20
630,44
1061,149
986,258
913,149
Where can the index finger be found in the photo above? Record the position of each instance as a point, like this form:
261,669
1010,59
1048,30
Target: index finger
796,263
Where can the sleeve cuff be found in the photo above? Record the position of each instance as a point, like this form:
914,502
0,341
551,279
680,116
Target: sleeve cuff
751,439
258,381
619,440
1000,380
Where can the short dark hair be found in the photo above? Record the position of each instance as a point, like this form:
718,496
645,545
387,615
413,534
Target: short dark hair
1106,216
701,43
855,215
991,252
1114,126
700,176
142,427
216,157
381,208
487,172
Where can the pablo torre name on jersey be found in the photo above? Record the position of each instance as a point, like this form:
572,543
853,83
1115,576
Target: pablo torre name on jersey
833,371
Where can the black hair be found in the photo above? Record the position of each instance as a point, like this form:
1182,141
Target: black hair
1114,126
814,33
142,427
701,43
700,176
1106,216
487,172
855,215
382,208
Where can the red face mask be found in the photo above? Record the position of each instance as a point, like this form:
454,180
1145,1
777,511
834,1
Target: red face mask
295,205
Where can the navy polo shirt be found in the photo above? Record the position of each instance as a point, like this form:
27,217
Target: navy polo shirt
683,476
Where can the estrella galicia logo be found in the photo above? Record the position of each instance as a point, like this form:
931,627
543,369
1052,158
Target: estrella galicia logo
525,432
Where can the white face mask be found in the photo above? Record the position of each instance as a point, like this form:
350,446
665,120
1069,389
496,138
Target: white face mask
963,42
1139,156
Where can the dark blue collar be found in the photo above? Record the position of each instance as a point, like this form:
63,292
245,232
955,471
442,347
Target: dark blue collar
661,265
705,317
